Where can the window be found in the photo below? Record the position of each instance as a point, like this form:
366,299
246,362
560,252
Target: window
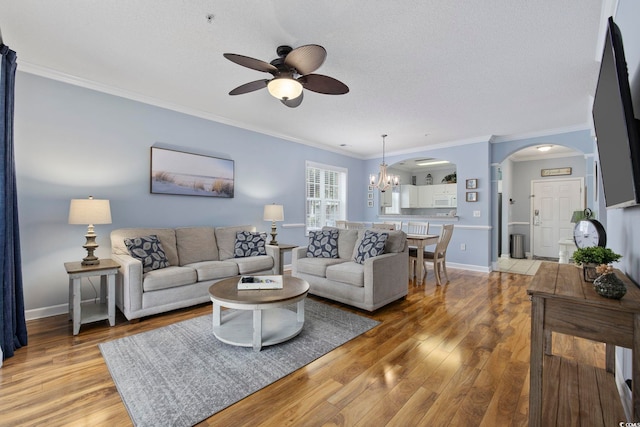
326,195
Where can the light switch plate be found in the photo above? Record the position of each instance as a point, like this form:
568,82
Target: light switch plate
476,213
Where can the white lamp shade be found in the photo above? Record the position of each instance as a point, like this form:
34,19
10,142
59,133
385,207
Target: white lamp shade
284,88
273,213
89,211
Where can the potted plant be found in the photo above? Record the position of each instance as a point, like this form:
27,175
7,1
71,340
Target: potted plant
592,256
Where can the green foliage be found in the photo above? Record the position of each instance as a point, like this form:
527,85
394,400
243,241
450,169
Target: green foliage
595,255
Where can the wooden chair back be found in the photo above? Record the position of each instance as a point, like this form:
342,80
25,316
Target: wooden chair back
418,228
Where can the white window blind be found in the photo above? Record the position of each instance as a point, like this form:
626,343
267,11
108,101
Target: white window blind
326,197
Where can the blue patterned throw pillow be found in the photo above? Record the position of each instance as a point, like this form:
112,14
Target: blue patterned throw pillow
372,244
149,250
323,244
249,244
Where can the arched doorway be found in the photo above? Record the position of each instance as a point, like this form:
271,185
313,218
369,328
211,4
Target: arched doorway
543,217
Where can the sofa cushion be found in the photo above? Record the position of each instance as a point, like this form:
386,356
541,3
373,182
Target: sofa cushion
396,240
323,244
346,241
226,238
196,244
210,270
149,250
371,245
316,266
253,264
249,244
347,272
169,277
167,237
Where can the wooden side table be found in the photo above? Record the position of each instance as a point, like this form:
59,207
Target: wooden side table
284,247
106,309
561,301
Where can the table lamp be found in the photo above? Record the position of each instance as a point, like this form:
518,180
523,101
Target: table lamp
89,212
273,213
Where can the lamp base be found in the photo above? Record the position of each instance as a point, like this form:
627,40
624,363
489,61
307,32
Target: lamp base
90,246
90,261
273,241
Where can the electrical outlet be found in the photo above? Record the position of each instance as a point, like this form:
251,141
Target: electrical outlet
476,213
463,247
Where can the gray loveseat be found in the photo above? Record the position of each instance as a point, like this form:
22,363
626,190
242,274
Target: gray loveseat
197,257
376,282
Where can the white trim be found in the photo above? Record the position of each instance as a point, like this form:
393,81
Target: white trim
39,313
297,225
468,267
548,132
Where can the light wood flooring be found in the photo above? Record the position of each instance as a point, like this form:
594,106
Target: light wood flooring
454,355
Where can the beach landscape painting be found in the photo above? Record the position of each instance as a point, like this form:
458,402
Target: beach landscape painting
189,174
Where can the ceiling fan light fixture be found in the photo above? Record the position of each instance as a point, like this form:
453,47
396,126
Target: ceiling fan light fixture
284,88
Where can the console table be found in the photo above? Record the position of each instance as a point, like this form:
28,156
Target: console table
561,392
107,270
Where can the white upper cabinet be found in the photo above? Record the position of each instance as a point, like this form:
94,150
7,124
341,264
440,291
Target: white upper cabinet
408,196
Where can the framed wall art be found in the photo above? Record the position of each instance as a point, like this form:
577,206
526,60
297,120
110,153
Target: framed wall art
472,184
472,196
190,174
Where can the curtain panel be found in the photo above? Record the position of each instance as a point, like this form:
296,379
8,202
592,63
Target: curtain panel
13,327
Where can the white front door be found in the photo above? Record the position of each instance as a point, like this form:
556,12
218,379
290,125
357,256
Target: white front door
553,203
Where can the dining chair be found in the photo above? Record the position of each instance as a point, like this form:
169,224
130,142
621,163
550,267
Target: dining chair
396,224
341,224
415,228
383,226
355,225
439,256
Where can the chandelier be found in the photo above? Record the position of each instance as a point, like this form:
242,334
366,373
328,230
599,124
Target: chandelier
383,181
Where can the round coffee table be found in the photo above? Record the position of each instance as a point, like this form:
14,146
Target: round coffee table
258,318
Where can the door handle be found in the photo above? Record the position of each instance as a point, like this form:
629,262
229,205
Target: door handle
536,217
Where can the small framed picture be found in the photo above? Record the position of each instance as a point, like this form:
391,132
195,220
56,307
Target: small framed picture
369,203
370,196
371,188
472,196
472,184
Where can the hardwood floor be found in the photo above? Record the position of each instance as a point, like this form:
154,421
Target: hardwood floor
454,355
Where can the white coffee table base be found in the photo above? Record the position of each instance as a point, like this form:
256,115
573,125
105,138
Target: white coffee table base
257,327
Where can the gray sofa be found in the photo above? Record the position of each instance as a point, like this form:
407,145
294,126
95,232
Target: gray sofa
374,283
197,258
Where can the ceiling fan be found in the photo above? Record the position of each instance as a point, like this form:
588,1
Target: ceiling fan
291,73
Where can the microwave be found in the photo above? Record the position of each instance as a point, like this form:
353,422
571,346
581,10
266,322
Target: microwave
444,201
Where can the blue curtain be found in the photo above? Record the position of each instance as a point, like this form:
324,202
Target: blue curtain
13,327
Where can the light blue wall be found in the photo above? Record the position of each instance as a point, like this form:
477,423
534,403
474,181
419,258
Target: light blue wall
73,142
472,161
623,233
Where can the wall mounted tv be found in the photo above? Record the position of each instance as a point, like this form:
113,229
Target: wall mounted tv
617,130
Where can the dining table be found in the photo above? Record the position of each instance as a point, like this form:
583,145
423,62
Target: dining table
420,241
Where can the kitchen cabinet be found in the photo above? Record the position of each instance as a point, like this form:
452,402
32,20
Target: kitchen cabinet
425,196
408,196
386,199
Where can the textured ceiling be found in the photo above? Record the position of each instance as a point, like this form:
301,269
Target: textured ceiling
424,72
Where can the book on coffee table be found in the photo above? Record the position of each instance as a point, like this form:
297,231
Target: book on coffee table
260,282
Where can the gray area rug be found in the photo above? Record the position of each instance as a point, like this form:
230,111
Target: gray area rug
180,374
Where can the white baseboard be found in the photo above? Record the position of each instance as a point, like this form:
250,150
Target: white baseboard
39,313
623,389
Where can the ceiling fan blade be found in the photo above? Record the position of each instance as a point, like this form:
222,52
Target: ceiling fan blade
249,87
323,84
254,64
293,103
306,59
